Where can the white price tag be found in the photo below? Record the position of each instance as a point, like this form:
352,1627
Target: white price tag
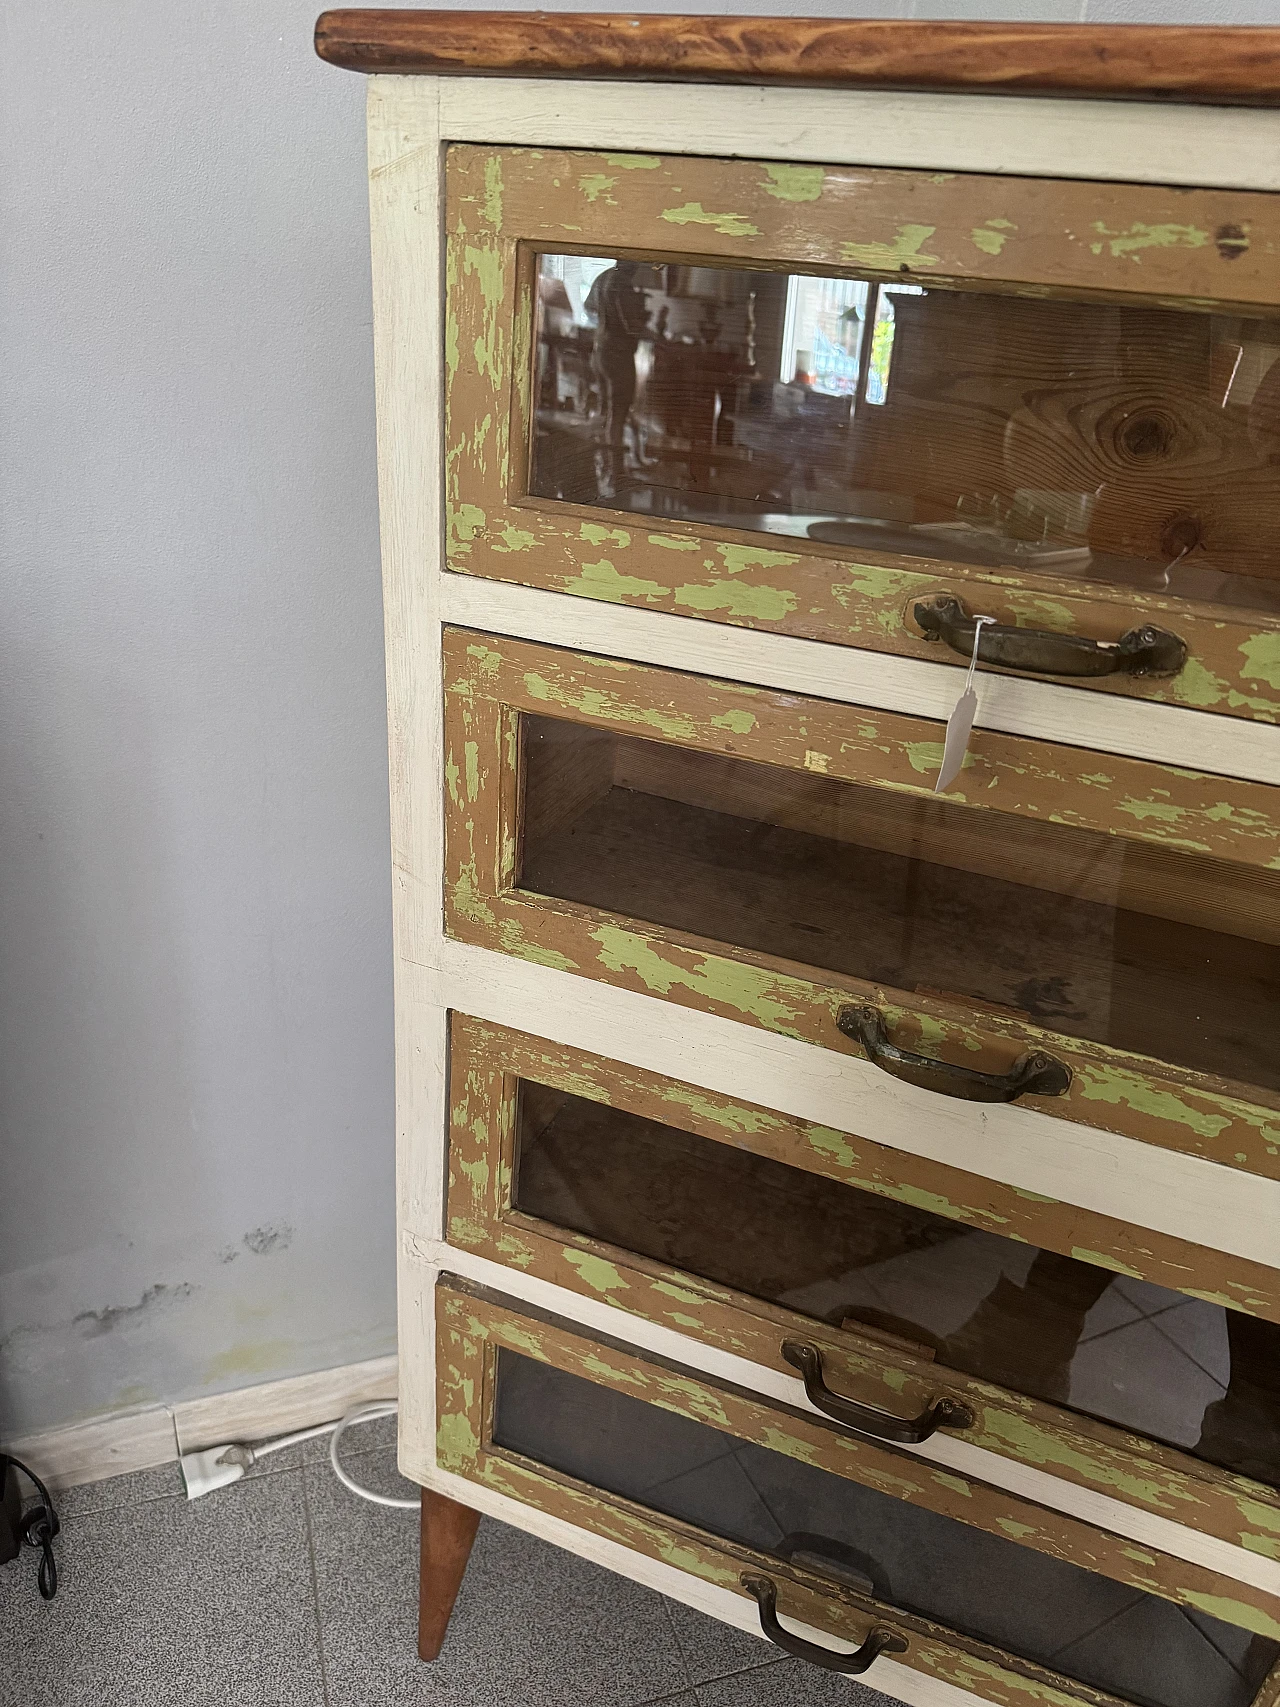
960,722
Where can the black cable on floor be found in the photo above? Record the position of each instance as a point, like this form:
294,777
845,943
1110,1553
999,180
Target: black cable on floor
38,1526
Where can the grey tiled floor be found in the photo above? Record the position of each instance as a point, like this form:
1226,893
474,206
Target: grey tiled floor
287,1591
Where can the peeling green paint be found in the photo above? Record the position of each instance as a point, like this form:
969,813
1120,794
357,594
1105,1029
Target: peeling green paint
471,759
515,943
595,1272
726,983
674,542
593,185
1234,1612
957,1484
1261,654
926,756
795,183
515,539
465,521
634,162
1100,1259
727,224
456,1441
738,598
602,581
739,722
906,249
992,237
591,533
1116,1085
1142,236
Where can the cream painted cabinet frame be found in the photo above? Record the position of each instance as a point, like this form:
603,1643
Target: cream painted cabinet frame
448,79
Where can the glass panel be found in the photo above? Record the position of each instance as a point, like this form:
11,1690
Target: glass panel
1185,1371
1133,445
1082,1625
1150,949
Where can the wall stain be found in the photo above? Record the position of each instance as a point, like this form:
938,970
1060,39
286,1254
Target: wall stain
94,1323
266,1240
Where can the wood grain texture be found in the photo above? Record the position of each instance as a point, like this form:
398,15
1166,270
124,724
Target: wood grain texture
485,1063
800,218
1204,63
471,1326
447,1532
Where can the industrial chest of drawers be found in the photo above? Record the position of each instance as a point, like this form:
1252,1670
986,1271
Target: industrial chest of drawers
840,1148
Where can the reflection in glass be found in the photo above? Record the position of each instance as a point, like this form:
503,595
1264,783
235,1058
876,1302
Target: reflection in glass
1082,1625
1154,950
1182,1370
1129,444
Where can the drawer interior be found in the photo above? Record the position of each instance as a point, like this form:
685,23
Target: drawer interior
1181,1370
1088,1628
1150,949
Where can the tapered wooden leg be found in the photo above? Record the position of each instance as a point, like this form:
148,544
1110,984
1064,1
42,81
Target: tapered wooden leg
448,1529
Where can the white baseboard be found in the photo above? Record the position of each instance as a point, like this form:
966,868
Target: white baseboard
141,1439
279,1407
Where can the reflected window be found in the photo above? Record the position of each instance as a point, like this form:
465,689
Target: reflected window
1115,442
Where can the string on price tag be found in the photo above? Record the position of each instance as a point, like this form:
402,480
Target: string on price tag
960,722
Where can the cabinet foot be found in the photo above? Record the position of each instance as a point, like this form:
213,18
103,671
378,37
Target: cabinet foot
448,1530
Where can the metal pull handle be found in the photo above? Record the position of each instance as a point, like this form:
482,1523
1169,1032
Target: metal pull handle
878,1641
1033,1074
907,1431
1145,651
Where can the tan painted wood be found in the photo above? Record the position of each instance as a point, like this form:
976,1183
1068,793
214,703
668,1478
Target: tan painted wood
1128,142
487,1062
471,1326
1164,734
502,200
489,679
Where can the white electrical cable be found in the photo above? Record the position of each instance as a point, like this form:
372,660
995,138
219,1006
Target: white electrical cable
366,1413
218,1466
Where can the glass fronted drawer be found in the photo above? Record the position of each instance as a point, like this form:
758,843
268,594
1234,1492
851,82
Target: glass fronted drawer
867,406
910,1296
1097,937
912,1563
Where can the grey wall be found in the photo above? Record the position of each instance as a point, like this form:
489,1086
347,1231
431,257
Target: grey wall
195,988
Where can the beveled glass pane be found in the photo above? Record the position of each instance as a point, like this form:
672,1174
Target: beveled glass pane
1133,445
1145,947
1085,1626
1184,1371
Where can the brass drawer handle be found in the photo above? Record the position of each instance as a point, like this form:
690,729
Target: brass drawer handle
1032,1074
906,1431
1145,651
878,1642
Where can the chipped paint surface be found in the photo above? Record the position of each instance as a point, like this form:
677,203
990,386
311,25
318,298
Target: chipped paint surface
903,251
957,227
472,1326
794,183
1007,774
727,224
487,1060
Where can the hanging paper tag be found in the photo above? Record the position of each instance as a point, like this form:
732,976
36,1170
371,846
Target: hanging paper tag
960,722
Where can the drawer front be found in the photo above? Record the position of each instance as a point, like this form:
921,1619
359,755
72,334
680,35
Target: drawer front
942,1301
1094,937
866,406
965,1582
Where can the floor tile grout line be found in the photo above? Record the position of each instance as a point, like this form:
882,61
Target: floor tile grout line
1189,1355
770,1660
315,1584
680,1650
